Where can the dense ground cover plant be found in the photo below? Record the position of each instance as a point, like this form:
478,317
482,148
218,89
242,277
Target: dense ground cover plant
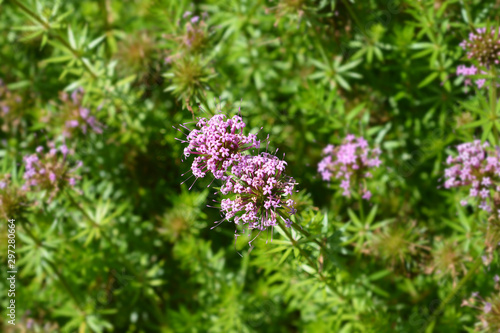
335,169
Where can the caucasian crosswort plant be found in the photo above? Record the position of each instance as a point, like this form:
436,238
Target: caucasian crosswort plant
262,193
350,163
195,37
49,171
477,168
257,189
482,48
12,199
77,117
11,108
218,143
489,308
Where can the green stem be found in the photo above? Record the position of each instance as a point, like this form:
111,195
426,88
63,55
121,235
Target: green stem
48,28
452,294
352,13
361,211
65,284
294,242
105,6
493,102
307,235
319,45
468,14
204,103
122,258
306,256
61,277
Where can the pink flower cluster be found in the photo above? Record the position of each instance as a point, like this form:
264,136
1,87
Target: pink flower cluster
12,109
483,47
257,191
350,163
195,37
195,31
263,192
489,308
477,168
7,99
48,171
472,70
78,117
218,144
12,199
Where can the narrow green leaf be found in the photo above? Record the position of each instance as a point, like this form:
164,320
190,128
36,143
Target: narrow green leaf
372,214
71,38
431,77
354,218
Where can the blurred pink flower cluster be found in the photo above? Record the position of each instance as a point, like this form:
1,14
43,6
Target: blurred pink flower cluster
350,163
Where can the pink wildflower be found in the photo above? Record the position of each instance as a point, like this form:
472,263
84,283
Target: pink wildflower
350,163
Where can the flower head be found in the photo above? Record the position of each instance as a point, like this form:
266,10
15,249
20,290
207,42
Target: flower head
195,37
447,260
259,193
12,199
484,46
489,310
49,171
11,108
218,143
349,163
475,168
77,117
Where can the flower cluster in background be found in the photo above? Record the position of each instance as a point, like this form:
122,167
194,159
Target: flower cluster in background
12,199
194,38
77,117
350,163
469,71
476,168
7,99
489,308
483,47
10,107
49,170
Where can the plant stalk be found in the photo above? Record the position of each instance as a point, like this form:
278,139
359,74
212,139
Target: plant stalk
452,294
311,263
127,264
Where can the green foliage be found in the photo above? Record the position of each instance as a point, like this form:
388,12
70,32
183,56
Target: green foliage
131,249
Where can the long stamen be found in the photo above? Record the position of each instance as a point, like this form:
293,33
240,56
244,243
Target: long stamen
179,130
250,243
186,179
218,224
190,187
182,175
211,183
